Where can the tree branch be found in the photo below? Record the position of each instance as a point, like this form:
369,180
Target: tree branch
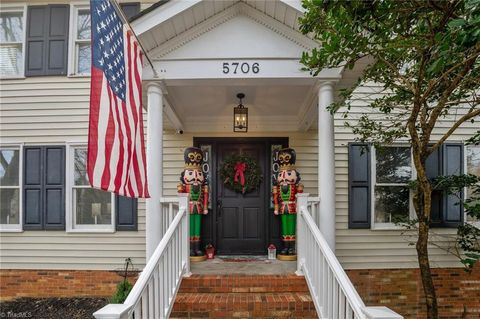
462,120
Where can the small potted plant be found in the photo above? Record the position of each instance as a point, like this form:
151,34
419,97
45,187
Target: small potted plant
210,251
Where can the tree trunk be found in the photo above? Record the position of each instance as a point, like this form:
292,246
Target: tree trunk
423,206
425,272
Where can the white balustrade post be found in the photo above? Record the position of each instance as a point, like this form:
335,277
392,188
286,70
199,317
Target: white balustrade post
183,203
302,201
326,164
154,166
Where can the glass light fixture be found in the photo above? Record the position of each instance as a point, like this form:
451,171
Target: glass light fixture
240,116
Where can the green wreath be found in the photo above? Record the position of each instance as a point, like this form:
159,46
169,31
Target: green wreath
234,167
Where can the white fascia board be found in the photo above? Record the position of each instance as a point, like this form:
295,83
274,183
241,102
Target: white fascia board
294,4
213,69
161,14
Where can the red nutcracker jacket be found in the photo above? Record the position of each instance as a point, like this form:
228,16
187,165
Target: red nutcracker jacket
284,196
198,203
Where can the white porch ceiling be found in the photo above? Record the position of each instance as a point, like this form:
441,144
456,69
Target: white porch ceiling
271,107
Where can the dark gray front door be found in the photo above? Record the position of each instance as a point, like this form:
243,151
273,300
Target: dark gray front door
241,218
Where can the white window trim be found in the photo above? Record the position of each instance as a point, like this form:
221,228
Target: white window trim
16,228
465,169
23,9
373,176
70,207
72,39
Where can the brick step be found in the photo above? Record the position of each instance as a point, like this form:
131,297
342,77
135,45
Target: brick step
244,305
243,283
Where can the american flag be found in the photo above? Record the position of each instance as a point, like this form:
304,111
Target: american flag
116,150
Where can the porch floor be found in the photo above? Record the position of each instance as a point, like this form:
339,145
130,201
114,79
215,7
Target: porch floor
245,265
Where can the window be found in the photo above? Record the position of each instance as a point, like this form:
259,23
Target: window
11,43
92,208
473,167
10,192
81,38
392,171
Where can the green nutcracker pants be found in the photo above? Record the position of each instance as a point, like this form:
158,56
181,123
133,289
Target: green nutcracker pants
195,223
289,226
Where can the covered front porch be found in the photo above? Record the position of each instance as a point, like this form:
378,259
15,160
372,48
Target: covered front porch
204,53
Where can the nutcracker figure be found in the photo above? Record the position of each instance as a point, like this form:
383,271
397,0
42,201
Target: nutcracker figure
285,186
193,182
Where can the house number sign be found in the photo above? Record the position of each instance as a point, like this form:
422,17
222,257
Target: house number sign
240,68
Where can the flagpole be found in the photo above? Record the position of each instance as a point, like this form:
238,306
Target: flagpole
120,12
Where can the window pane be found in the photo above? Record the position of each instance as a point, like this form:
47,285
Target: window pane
473,167
80,170
473,160
393,165
84,58
391,204
11,59
11,27
83,25
93,207
9,206
9,167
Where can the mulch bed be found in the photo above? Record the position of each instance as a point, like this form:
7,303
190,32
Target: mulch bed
51,308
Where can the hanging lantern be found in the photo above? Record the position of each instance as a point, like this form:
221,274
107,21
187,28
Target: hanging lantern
240,116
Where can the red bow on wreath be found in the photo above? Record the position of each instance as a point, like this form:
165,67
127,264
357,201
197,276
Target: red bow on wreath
239,172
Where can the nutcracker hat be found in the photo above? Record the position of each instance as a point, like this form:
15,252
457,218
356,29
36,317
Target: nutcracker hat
287,158
193,157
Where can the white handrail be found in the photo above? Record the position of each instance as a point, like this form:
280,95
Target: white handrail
154,292
332,292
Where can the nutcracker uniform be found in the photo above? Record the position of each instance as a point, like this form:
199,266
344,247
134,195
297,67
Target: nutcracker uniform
285,187
193,182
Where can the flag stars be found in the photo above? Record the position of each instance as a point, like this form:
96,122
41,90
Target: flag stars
109,48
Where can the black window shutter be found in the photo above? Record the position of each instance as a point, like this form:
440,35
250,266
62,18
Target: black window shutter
452,165
57,40
125,213
359,186
433,167
32,188
44,187
54,186
130,9
36,42
47,40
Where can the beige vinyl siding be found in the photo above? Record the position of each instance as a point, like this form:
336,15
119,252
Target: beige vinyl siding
54,110
365,248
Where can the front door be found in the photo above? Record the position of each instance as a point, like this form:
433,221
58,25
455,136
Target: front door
241,217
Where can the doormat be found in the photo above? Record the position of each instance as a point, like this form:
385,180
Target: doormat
242,258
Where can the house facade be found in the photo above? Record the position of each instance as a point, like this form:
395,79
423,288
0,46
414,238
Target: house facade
56,231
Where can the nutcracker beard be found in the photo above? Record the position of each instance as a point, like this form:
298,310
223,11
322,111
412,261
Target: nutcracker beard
193,183
285,204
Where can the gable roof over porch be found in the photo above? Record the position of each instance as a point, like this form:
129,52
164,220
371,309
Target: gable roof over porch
191,42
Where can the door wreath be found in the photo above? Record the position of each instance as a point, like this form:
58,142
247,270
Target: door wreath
241,173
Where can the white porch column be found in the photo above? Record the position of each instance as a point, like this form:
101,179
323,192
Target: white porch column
154,166
326,164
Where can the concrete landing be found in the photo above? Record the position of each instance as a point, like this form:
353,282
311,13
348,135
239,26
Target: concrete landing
244,265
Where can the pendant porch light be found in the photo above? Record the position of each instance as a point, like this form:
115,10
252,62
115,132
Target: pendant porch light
240,116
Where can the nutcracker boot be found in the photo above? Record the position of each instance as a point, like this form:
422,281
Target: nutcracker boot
198,251
192,249
284,251
291,248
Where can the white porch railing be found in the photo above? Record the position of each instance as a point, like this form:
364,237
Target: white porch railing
154,293
332,291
